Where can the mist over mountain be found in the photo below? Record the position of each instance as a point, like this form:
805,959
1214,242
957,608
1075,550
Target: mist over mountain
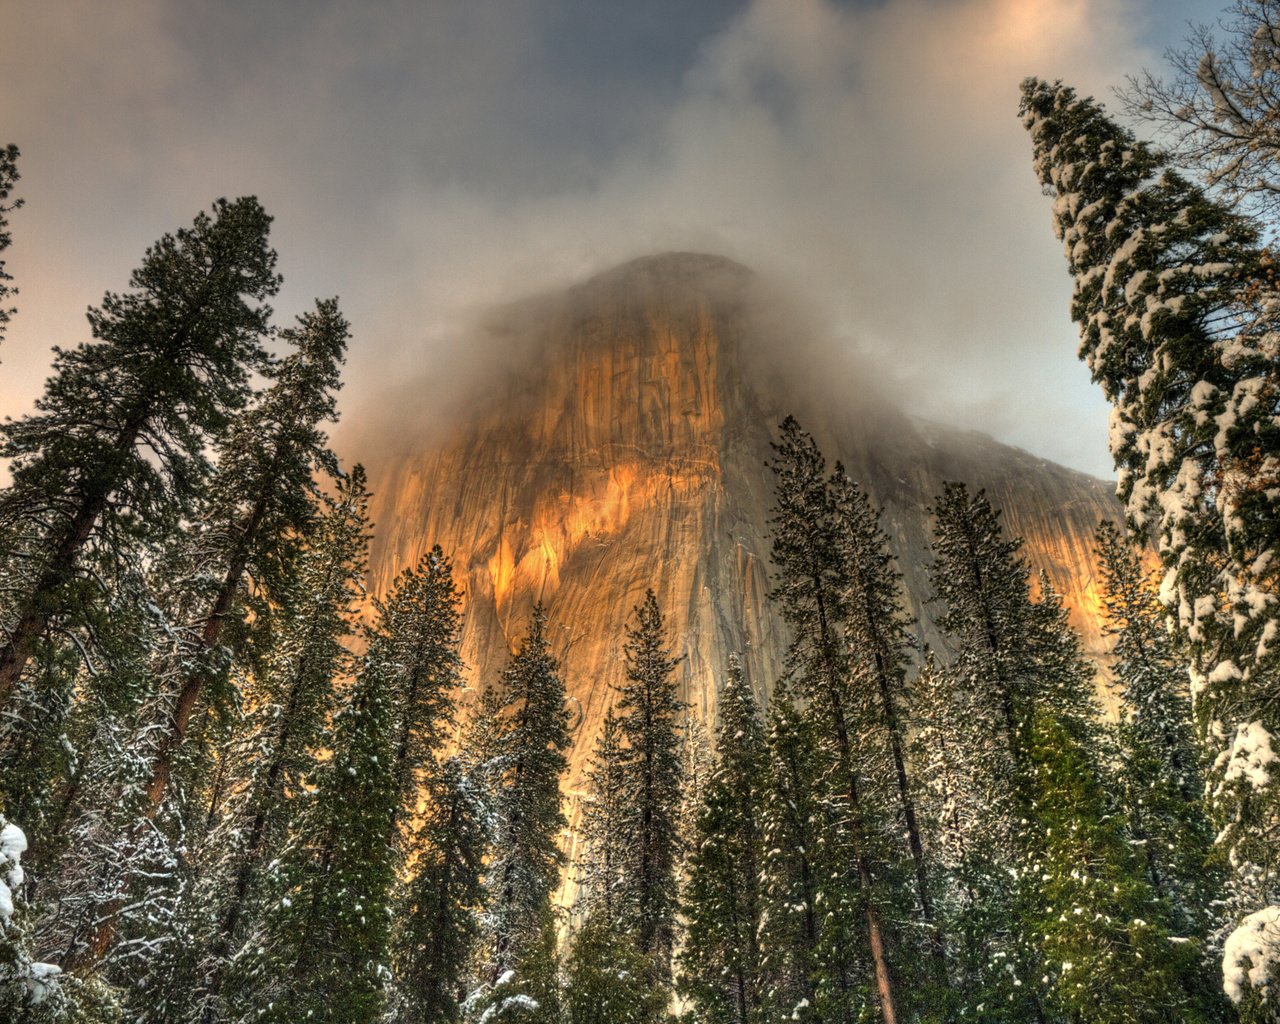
619,443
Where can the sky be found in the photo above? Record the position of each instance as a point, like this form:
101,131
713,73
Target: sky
425,160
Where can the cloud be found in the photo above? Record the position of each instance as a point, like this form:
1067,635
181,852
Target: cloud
424,163
872,160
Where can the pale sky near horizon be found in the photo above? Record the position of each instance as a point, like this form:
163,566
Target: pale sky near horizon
424,160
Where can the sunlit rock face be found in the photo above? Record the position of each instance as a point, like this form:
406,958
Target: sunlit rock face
624,448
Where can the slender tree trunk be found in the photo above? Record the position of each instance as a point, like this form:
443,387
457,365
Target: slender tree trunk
892,725
194,682
875,936
38,608
193,685
810,912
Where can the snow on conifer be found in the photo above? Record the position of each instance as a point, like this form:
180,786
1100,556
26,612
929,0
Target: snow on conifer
1177,310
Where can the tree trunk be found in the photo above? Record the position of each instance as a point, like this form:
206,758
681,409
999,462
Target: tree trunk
38,608
875,937
908,808
33,620
193,684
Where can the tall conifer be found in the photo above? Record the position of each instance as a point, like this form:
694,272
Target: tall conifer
721,961
263,502
291,701
437,919
413,645
1160,768
880,644
524,870
811,593
1078,897
1175,301
814,961
605,836
324,948
117,444
650,717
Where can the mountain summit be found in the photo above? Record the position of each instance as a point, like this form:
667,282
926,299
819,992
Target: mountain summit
627,451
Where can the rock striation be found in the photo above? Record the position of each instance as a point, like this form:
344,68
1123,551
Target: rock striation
624,448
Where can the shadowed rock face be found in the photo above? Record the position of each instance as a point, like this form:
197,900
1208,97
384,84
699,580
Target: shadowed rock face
626,450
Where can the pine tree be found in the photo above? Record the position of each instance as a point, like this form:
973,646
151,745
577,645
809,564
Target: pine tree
288,708
528,992
1159,768
810,594
437,923
21,981
525,869
117,444
721,961
605,836
606,979
877,632
983,581
481,746
996,682
1108,950
697,767
1175,304
1088,937
652,776
323,952
414,647
35,761
812,961
8,178
263,500
92,850
969,836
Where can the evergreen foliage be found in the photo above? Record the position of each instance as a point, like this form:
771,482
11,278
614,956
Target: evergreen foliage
323,952
652,773
721,962
970,831
799,883
1083,934
116,449
1175,301
525,868
262,503
413,647
605,836
811,591
253,808
606,979
879,648
284,726
8,179
1160,768
437,920
1108,951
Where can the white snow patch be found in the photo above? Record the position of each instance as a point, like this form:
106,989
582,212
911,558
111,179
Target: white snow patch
1251,756
1251,954
42,982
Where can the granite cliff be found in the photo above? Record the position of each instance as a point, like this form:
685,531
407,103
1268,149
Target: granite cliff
624,448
